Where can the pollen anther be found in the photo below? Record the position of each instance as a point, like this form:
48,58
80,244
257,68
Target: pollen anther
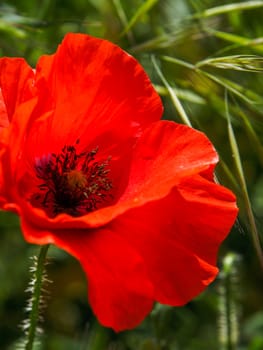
72,183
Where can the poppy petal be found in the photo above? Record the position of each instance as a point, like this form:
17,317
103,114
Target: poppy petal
16,94
4,121
16,83
179,237
165,154
119,290
108,88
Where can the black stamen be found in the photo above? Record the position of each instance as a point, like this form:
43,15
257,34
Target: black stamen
73,183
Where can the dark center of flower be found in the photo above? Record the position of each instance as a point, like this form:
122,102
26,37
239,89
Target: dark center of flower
72,183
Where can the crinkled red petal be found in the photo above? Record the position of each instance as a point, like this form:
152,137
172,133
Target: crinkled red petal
16,83
120,292
179,237
4,121
16,94
90,90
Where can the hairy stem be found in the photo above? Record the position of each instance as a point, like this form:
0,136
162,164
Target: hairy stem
36,297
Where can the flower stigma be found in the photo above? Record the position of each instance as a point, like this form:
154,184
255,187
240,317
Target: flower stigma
71,182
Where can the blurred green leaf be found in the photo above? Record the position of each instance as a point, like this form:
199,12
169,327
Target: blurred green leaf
145,7
238,163
219,10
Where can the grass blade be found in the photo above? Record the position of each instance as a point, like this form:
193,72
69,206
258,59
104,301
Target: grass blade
186,95
123,19
142,10
243,188
244,94
247,63
219,10
256,44
175,100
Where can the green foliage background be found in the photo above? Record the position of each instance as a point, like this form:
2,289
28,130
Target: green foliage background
205,59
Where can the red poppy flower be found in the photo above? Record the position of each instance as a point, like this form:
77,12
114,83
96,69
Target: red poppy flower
89,166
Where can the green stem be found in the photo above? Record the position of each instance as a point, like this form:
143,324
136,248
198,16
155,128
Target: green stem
36,297
229,305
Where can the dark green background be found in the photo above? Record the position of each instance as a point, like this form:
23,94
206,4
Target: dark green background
230,307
